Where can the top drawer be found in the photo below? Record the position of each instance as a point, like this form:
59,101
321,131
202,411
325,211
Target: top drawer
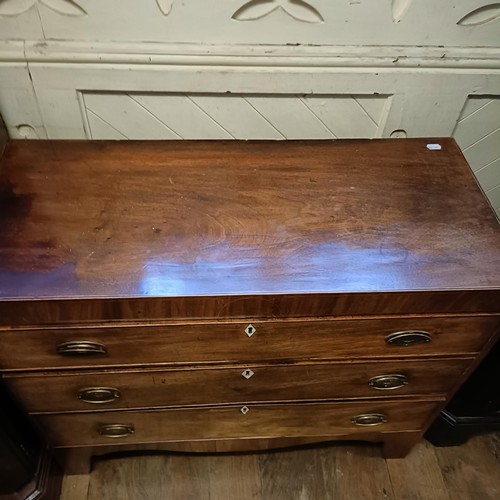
240,342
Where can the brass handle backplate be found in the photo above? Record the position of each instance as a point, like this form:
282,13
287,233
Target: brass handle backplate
408,338
81,348
116,430
98,395
388,382
369,419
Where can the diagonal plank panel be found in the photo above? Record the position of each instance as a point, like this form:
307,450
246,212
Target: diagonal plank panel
291,117
213,116
183,116
479,124
472,105
484,151
478,134
237,116
100,129
127,116
343,116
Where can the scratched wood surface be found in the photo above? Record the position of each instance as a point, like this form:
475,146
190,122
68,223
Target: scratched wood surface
183,229
181,386
338,472
183,218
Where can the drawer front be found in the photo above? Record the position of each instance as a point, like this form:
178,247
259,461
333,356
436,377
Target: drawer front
243,384
250,421
234,342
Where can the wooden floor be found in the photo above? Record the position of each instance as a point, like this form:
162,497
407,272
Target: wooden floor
470,471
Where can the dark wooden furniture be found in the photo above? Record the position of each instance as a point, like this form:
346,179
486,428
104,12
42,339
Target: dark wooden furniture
213,296
27,468
20,447
475,408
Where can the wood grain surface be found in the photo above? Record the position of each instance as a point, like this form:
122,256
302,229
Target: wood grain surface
227,342
181,387
334,472
255,421
27,312
469,475
164,252
176,219
424,464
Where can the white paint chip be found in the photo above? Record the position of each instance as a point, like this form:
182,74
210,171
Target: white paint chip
434,147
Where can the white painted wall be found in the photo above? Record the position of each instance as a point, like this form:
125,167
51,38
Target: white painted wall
272,69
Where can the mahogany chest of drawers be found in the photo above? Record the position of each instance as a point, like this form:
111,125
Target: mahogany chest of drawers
222,296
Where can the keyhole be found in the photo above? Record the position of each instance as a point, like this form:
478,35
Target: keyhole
250,330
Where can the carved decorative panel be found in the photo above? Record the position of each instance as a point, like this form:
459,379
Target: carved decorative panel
385,22
399,8
165,6
64,7
297,9
482,15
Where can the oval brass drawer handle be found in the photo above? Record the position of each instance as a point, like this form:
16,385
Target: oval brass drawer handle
116,430
81,348
98,395
388,382
369,419
408,338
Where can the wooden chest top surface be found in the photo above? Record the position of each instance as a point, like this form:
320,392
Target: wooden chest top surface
178,219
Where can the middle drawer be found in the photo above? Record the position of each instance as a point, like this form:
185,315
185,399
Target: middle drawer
242,384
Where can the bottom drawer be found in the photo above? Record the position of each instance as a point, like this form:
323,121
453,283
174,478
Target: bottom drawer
227,422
